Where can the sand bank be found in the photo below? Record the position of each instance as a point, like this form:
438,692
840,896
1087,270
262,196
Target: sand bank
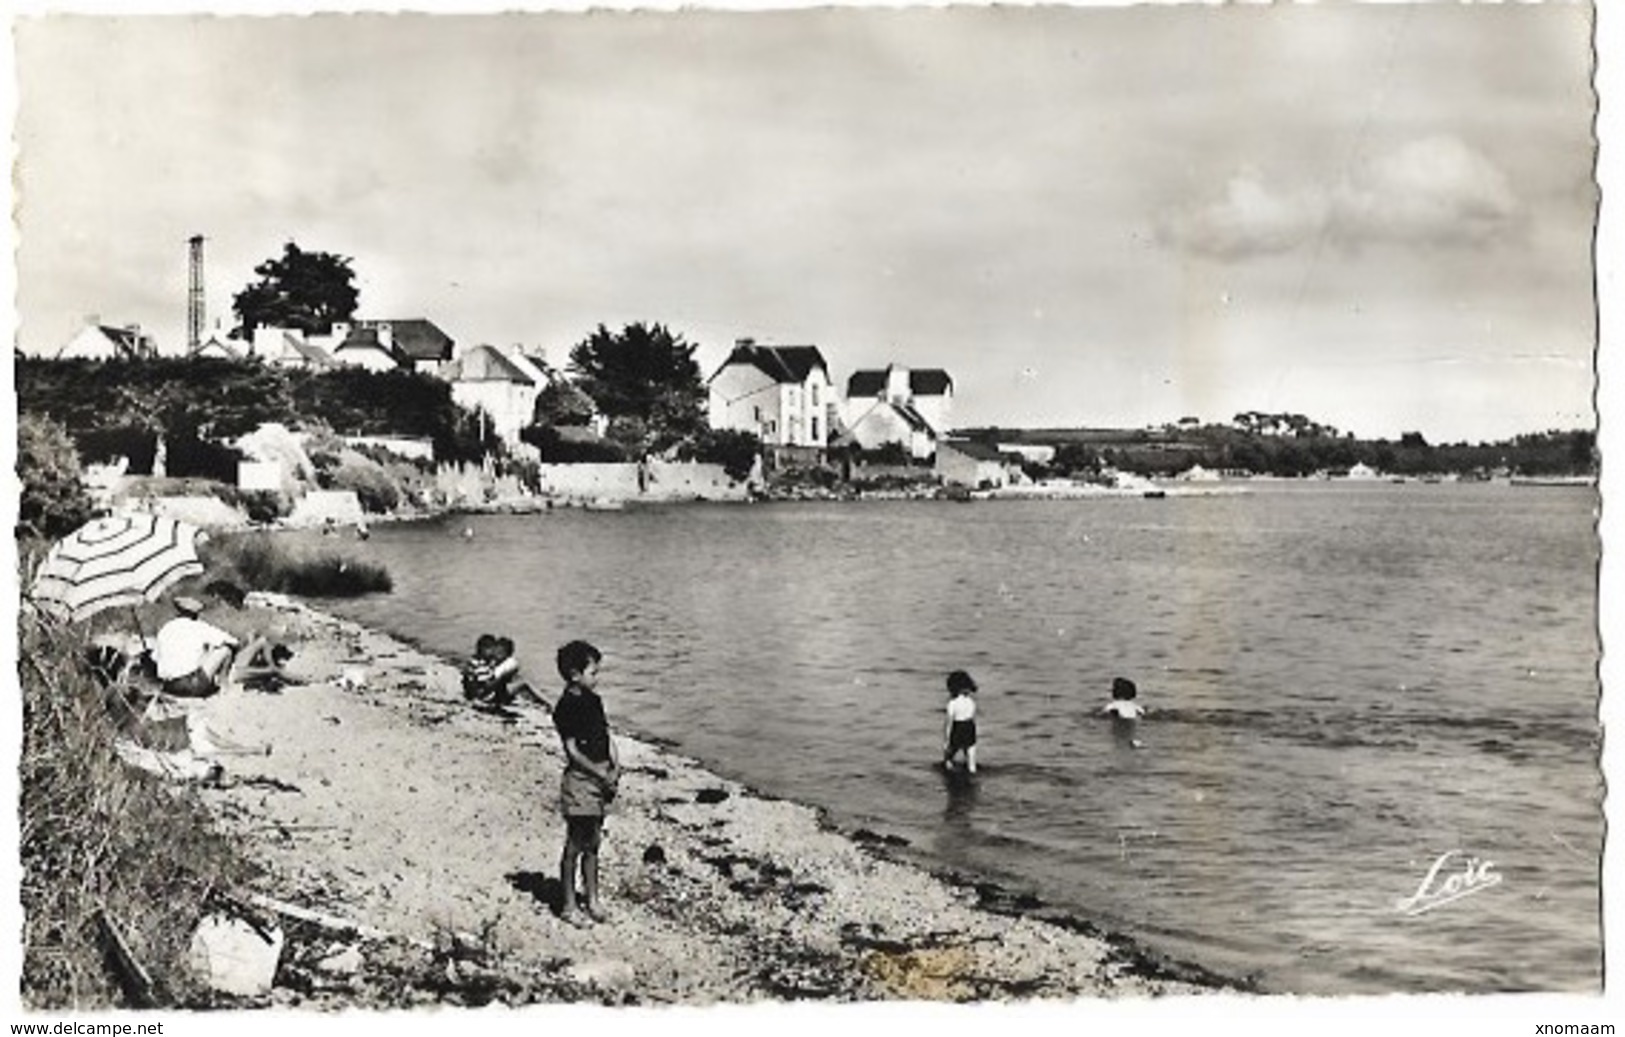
393,804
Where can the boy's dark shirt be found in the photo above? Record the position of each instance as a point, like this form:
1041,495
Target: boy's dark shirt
579,714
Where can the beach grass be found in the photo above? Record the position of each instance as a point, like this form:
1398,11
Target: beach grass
115,863
265,562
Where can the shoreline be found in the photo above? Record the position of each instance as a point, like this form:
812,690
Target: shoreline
389,802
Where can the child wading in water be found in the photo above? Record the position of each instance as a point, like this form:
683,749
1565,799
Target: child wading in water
1125,712
591,774
959,732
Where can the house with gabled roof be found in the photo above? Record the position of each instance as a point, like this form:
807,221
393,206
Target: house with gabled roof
98,341
363,347
503,386
412,343
975,464
898,405
783,394
287,347
220,347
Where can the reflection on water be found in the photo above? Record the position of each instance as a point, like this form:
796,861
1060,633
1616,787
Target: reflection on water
960,798
1344,682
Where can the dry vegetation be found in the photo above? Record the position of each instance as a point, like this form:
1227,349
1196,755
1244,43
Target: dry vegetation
104,848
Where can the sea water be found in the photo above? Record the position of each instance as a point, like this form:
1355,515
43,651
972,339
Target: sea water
1371,761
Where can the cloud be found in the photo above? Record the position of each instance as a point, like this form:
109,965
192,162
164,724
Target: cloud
1250,219
1435,191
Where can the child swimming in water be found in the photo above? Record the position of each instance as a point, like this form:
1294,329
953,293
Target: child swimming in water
1125,712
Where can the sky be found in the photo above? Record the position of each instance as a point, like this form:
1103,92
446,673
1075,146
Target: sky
1379,216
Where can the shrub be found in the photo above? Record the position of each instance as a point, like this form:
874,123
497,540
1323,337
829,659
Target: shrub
187,455
574,446
373,487
95,833
53,502
264,562
261,506
132,442
735,450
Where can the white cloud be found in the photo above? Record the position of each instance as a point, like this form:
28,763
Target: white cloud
1436,191
1250,219
1433,190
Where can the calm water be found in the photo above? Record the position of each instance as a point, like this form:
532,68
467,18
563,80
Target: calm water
1348,680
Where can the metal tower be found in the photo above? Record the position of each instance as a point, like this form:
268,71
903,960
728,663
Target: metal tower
195,315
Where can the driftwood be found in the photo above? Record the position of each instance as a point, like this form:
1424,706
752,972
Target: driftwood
328,921
132,975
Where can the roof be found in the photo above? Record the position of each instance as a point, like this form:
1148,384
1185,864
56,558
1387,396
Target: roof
125,338
312,354
915,420
535,367
217,344
926,381
363,338
415,338
488,364
975,449
780,363
866,383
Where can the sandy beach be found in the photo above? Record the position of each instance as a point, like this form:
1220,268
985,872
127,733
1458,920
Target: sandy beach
431,829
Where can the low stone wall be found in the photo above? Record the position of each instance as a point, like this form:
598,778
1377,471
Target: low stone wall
661,481
203,512
317,507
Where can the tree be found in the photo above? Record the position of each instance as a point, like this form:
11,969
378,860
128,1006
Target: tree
53,501
646,381
561,403
307,291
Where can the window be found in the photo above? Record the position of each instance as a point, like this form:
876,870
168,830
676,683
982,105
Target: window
814,391
758,414
815,422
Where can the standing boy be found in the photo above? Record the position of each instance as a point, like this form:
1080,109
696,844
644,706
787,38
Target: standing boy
959,729
591,774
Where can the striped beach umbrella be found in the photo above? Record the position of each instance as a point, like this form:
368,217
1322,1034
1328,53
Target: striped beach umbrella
116,560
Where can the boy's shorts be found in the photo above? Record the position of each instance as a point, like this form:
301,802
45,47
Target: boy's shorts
580,795
584,830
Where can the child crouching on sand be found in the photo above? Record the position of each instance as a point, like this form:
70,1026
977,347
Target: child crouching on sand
591,775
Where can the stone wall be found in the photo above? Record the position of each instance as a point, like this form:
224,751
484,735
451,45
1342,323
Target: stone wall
661,481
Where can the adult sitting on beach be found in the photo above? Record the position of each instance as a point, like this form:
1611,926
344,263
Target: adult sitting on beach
191,655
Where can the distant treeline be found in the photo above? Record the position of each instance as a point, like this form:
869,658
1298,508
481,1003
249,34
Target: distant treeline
120,406
1225,448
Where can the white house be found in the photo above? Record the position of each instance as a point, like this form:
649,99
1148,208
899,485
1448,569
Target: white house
1363,471
98,341
977,465
412,343
782,393
498,384
1037,453
899,405
219,347
362,347
881,422
286,347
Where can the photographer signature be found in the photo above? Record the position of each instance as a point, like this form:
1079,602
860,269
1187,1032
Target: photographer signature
1473,875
